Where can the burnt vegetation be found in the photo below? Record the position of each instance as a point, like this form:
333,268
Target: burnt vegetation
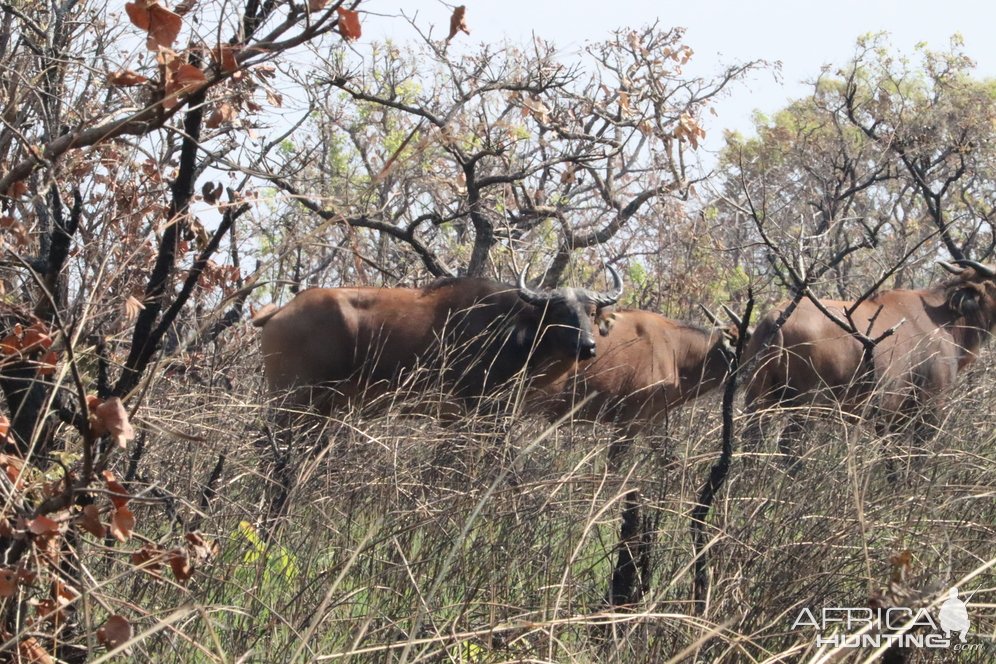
556,467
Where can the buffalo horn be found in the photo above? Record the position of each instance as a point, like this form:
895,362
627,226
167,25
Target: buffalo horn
984,270
528,294
610,298
711,316
953,269
733,316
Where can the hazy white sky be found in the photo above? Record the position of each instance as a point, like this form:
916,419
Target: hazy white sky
802,35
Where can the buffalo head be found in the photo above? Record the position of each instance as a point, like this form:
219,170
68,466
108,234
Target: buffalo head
973,293
730,331
569,315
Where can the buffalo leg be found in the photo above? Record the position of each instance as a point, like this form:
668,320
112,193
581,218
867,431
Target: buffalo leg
626,586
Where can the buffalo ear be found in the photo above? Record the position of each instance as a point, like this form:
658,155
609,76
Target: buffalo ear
965,300
527,327
731,336
605,323
522,331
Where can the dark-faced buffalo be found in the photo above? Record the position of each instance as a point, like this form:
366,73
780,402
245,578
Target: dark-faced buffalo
462,336
645,367
811,361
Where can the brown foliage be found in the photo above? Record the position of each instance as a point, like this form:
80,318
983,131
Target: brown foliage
458,22
126,78
349,24
89,520
162,25
32,652
122,524
115,631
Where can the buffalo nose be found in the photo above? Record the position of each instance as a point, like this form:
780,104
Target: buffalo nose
587,350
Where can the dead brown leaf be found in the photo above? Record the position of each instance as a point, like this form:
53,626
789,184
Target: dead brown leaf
113,418
179,562
185,7
126,78
349,24
162,25
223,113
225,58
122,524
119,497
149,558
89,520
43,525
8,581
47,363
56,611
32,652
115,631
181,79
458,22
201,548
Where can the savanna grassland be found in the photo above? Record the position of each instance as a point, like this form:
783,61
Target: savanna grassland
489,541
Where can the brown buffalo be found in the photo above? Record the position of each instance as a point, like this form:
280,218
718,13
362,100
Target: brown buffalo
811,361
646,366
463,336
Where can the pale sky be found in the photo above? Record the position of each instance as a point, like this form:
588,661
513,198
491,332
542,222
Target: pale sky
802,35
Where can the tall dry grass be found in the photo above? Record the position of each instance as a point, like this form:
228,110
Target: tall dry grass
493,539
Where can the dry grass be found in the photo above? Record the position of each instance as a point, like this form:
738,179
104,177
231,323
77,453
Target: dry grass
485,541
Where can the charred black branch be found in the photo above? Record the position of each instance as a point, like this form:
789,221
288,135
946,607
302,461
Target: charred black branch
137,452
209,491
103,382
59,242
195,271
144,343
26,397
484,231
719,470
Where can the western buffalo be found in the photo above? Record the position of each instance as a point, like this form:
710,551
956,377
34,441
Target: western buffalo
463,336
645,367
811,360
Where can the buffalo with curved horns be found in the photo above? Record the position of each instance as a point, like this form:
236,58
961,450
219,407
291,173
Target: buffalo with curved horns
812,361
465,336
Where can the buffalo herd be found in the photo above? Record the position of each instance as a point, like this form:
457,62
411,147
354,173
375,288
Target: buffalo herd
574,351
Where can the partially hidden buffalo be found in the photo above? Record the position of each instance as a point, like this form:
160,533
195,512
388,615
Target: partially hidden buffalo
465,337
812,362
645,367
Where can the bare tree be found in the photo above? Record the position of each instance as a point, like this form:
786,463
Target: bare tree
462,160
116,118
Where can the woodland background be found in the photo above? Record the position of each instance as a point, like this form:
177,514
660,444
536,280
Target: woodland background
164,170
